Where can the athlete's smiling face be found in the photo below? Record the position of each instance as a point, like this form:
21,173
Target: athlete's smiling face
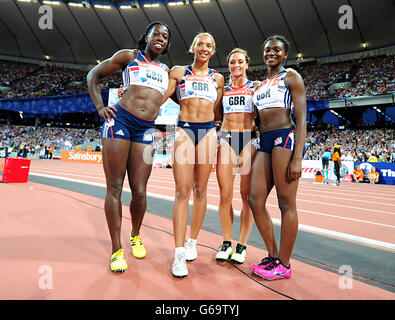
158,39
274,53
237,64
204,48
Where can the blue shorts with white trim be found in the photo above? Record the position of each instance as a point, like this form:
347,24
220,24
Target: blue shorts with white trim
128,126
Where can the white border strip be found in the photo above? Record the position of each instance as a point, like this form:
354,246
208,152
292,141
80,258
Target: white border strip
311,229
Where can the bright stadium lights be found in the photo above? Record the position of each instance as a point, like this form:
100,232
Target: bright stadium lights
24,1
364,45
175,3
102,6
97,61
56,3
151,5
47,57
201,1
74,4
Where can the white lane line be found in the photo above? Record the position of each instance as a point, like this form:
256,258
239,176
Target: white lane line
330,233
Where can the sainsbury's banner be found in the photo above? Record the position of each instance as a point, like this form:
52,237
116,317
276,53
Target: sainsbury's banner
81,156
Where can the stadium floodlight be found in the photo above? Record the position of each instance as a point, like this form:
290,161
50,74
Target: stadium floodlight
151,5
75,4
102,6
176,3
56,3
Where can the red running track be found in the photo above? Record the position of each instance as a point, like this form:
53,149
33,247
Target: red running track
64,235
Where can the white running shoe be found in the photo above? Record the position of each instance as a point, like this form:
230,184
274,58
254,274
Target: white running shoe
179,268
190,250
224,252
239,256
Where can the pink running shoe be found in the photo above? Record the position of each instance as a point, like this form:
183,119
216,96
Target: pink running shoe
263,264
274,271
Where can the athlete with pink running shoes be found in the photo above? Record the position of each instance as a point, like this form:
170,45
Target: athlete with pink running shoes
279,158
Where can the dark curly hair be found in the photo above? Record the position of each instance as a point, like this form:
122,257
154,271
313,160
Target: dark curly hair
141,44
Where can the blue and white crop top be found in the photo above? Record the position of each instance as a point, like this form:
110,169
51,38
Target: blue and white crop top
238,99
143,72
196,86
273,94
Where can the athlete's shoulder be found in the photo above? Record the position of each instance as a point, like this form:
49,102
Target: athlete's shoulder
257,83
165,66
219,77
292,73
178,68
123,57
177,72
126,52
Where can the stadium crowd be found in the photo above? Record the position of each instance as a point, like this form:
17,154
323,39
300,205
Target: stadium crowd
32,140
31,80
368,76
357,145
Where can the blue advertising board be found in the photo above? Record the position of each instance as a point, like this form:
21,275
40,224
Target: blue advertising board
385,169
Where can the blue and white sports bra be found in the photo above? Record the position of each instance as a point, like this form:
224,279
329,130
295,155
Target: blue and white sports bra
273,93
196,86
143,72
238,99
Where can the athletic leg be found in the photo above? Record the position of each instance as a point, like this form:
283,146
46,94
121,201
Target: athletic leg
246,218
183,154
139,170
115,155
260,187
183,159
204,159
226,165
286,195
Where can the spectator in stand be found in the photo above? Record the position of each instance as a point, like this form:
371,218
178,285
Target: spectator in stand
357,175
372,158
373,176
